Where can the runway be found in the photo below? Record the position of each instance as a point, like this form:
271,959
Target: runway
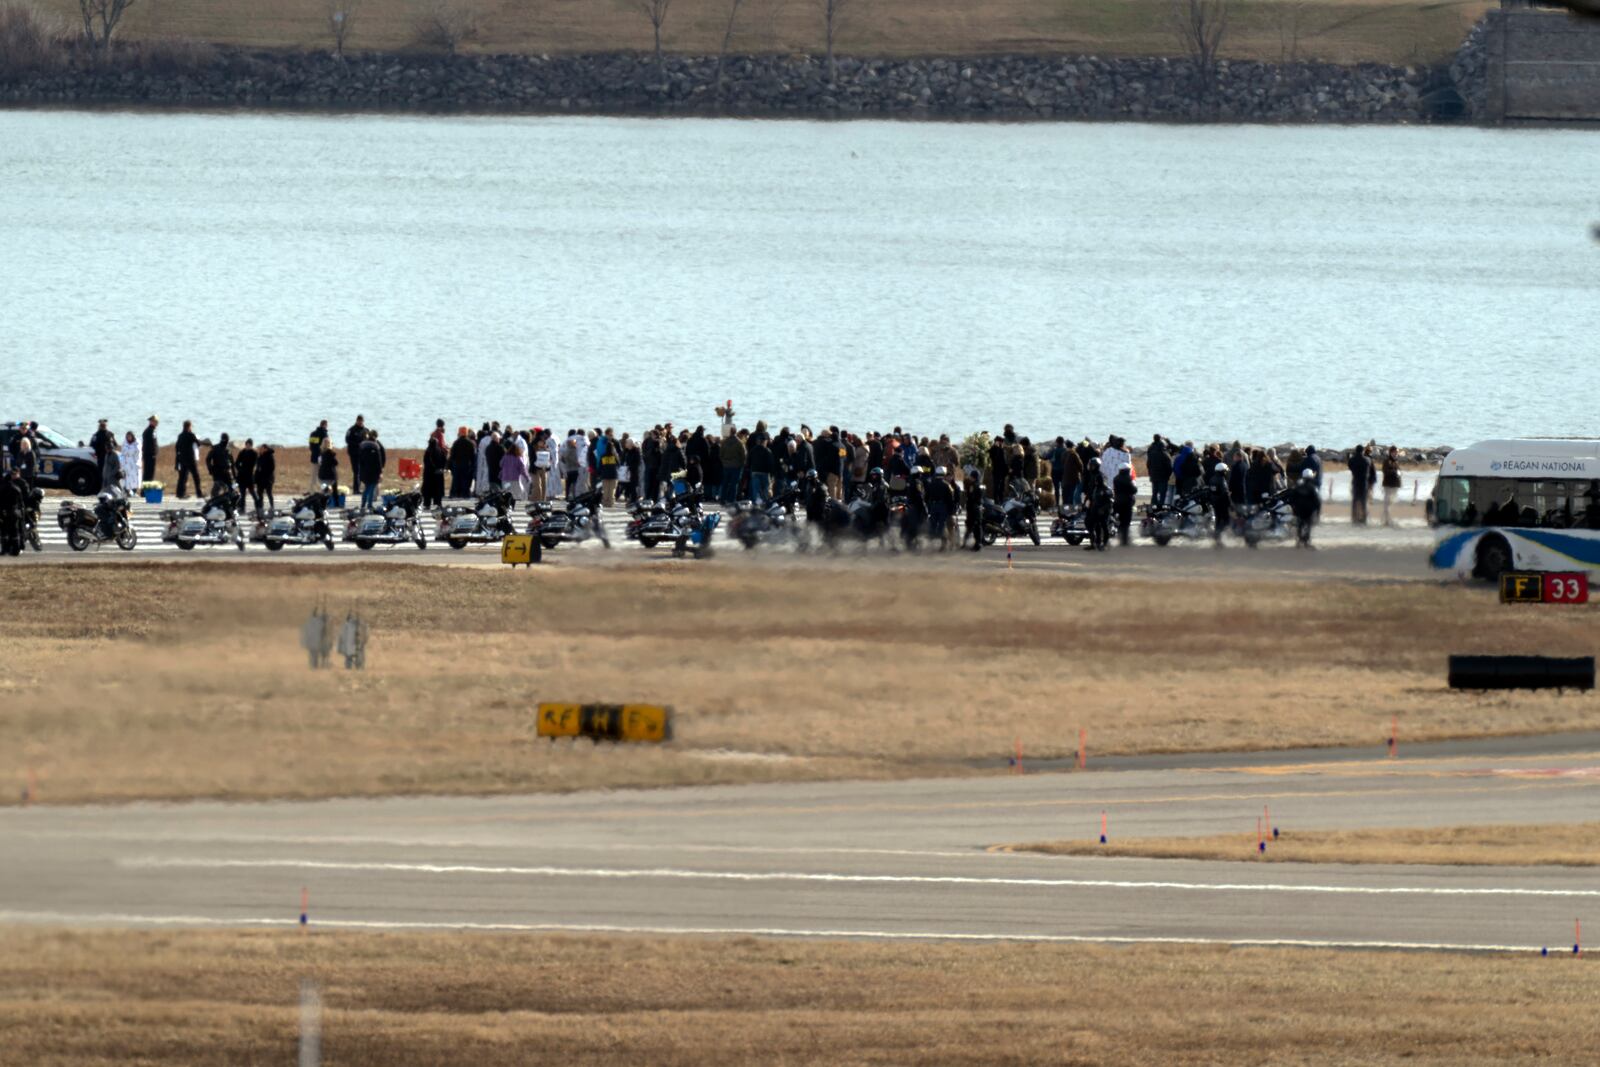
906,859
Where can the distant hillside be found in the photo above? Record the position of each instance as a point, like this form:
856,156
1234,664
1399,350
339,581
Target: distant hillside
1272,30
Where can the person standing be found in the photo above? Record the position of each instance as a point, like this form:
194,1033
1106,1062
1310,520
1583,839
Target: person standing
1158,465
1124,493
551,466
435,458
999,468
104,443
219,464
27,464
354,438
328,471
650,463
1113,458
369,456
628,476
149,447
318,443
186,459
463,463
480,476
1221,500
1391,482
244,472
610,466
494,455
514,470
972,497
1306,502
266,474
758,456
1186,469
1360,481
1313,463
672,461
132,463
732,453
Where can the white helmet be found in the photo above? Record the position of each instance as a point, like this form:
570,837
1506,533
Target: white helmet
1308,475
1220,468
939,471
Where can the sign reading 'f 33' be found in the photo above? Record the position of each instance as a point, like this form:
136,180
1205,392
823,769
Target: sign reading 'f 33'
1544,587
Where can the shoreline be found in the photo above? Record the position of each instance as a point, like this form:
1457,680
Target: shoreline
1005,88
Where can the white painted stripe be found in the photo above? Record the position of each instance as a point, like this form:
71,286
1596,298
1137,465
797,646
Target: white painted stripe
121,919
875,879
974,853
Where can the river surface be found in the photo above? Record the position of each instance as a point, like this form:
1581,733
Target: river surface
257,272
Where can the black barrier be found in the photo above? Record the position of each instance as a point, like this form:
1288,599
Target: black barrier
1521,672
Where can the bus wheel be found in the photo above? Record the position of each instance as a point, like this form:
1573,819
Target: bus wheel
1494,558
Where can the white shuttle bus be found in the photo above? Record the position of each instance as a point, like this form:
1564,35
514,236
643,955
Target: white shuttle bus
1518,505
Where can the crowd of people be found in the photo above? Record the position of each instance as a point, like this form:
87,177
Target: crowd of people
730,462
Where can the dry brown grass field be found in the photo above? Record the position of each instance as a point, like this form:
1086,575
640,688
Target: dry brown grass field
177,680
1347,31
1556,845
87,999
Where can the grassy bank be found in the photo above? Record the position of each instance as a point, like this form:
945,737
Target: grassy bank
152,680
1344,32
85,999
1561,845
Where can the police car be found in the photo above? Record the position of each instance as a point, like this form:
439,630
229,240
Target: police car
60,465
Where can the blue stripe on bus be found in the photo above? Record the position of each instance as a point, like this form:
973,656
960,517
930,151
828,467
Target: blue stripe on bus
1585,550
1447,551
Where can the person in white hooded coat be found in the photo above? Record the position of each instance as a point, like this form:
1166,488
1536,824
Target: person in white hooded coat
132,463
1113,458
482,482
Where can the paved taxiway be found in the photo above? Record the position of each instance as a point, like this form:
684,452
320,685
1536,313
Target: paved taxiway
885,859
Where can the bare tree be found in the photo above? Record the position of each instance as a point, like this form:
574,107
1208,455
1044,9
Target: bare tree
1200,26
656,12
448,24
832,19
1289,15
341,20
100,20
727,40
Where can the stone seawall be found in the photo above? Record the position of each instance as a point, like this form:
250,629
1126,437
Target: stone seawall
1014,87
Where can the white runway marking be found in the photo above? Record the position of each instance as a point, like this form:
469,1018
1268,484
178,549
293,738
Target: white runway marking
975,852
114,918
872,879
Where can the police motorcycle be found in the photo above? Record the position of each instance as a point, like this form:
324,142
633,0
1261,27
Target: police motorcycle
752,524
394,523
1072,525
825,515
650,523
488,521
868,508
1270,520
215,523
305,523
1187,516
579,521
1017,517
697,541
32,505
109,521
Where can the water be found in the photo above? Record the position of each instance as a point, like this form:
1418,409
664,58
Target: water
257,272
